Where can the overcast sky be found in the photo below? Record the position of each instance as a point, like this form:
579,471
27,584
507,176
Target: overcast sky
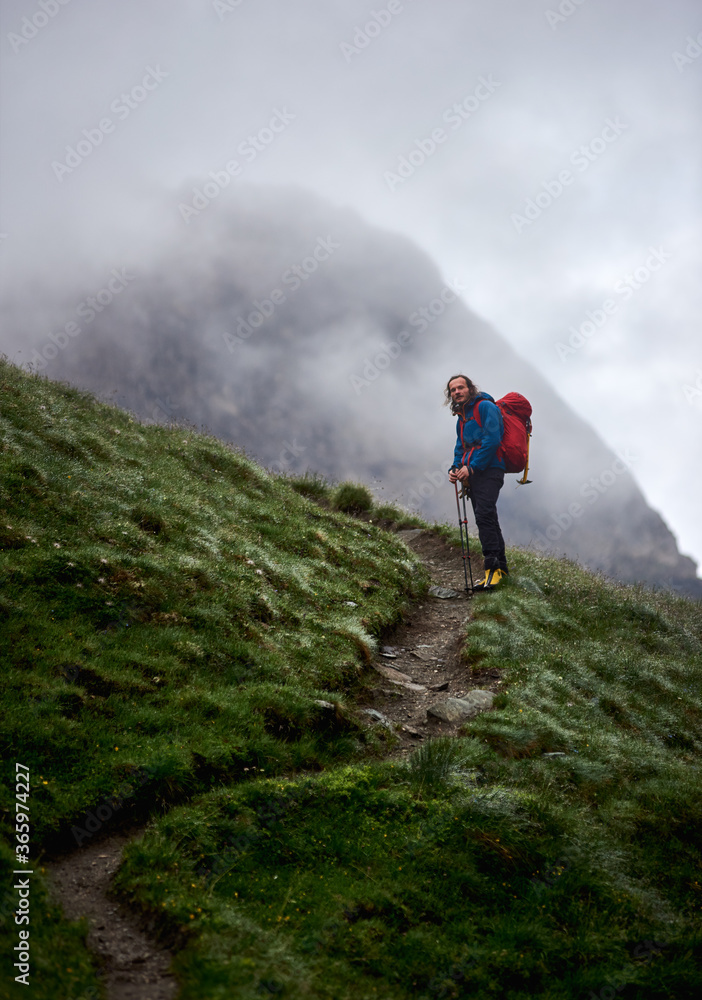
545,154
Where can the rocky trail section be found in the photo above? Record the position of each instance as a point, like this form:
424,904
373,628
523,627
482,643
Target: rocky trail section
424,686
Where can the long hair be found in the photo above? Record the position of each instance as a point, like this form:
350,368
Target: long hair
473,391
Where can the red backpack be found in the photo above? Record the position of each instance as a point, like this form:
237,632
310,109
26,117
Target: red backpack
514,447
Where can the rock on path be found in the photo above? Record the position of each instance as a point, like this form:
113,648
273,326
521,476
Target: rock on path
458,710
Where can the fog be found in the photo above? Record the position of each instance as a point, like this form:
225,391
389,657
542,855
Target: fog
543,158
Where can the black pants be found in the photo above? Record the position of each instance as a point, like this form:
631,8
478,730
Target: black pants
485,487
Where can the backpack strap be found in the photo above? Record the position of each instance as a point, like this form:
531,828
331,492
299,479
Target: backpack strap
524,480
476,416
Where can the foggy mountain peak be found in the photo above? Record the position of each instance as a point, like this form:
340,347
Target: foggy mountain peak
312,340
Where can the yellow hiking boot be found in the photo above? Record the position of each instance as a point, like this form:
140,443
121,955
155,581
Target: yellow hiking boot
491,579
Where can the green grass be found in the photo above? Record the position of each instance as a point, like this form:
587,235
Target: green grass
194,615
391,516
171,615
482,867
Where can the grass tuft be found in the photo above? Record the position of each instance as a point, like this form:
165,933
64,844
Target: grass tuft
311,485
352,498
436,761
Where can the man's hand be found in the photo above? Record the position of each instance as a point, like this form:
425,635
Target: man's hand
461,474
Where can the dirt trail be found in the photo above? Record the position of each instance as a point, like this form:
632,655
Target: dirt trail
426,647
134,967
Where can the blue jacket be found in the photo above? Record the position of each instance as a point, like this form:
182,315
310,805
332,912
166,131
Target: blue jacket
477,444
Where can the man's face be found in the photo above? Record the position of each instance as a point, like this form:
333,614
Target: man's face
458,390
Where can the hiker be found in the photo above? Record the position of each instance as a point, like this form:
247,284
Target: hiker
477,468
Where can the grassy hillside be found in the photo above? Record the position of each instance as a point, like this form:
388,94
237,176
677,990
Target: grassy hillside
171,616
553,851
171,619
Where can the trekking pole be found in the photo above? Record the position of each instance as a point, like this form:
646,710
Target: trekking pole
463,524
464,493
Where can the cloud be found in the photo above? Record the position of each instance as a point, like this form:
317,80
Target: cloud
354,120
